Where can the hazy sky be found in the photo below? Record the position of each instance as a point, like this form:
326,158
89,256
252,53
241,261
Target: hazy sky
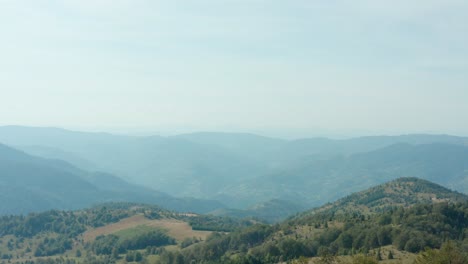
292,67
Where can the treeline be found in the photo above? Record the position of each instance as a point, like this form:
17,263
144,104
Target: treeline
413,230
114,245
73,223
216,223
70,224
55,232
53,246
218,246
66,260
60,260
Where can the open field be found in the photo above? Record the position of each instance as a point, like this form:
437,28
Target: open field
175,228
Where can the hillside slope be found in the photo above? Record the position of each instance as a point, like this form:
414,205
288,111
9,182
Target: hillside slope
29,183
405,215
402,192
242,170
108,233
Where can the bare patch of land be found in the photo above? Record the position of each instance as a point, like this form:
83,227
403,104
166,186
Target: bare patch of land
175,228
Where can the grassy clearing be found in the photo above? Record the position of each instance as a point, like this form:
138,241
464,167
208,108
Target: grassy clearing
135,231
139,223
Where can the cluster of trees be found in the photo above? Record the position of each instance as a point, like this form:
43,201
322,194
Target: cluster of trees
54,232
53,246
216,223
70,224
113,245
217,245
189,241
60,260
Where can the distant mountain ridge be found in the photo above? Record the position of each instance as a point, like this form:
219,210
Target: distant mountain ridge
243,170
272,211
29,183
319,181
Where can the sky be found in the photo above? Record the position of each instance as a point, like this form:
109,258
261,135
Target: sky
285,68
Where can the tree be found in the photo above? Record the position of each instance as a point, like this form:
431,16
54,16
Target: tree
390,255
138,257
378,256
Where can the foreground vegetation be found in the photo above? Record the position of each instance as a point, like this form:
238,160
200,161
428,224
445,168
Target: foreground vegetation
61,236
411,230
405,221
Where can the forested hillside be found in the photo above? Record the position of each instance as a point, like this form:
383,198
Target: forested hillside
104,234
406,215
403,220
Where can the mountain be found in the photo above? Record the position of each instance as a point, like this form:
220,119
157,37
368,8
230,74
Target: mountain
272,211
390,222
319,181
243,170
174,165
252,146
402,192
325,146
58,154
29,183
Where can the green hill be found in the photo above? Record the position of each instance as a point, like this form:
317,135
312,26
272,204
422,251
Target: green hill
399,218
403,192
108,233
405,215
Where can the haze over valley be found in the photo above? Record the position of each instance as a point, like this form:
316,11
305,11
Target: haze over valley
227,170
233,132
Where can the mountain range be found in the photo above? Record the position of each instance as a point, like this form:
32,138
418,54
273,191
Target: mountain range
30,183
237,174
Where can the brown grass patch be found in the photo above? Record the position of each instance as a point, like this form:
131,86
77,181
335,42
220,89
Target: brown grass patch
175,228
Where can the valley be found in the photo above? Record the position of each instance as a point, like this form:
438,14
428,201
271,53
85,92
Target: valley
230,198
243,174
233,132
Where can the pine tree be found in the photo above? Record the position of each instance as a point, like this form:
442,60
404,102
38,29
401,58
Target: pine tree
390,255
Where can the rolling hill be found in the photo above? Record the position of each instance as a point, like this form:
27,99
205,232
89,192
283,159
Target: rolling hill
402,192
389,222
107,233
399,218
